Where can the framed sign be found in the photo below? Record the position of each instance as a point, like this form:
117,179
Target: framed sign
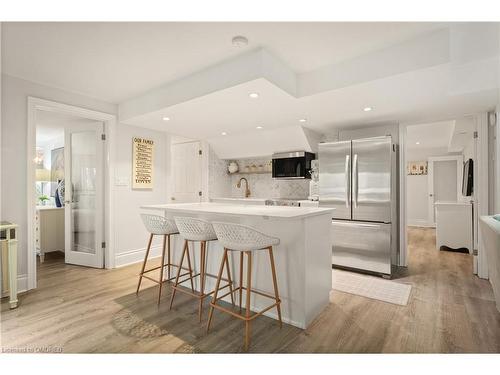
417,168
142,163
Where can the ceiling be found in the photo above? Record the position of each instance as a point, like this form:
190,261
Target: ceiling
117,61
430,136
416,97
403,71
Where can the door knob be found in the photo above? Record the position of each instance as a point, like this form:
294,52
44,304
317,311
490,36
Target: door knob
172,198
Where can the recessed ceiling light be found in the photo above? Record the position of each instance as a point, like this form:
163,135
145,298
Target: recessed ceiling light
166,118
253,95
223,133
367,109
258,127
239,41
417,143
302,120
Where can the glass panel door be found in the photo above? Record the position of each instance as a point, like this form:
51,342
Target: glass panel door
84,195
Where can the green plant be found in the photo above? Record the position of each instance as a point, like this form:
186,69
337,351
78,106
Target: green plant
43,198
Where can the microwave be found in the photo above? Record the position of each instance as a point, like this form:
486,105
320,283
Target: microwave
291,165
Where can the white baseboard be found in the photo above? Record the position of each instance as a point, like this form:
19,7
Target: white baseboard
22,284
135,256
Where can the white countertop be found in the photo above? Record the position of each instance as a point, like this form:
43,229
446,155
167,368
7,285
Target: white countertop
49,208
283,212
451,203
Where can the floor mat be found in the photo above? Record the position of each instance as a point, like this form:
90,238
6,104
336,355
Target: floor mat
371,287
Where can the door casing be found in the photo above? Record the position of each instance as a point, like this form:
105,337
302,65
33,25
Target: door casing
33,105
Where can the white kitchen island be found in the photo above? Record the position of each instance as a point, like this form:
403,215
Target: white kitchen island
303,258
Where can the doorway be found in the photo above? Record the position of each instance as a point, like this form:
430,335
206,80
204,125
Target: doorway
444,177
434,154
69,195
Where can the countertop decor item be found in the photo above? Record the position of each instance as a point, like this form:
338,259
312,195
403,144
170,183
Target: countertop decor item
43,199
233,167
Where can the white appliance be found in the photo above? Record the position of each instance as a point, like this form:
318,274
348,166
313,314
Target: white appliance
454,225
357,178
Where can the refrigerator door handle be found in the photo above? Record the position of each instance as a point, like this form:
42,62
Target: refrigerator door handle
347,181
355,179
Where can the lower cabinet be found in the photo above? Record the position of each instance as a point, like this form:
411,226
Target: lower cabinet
49,230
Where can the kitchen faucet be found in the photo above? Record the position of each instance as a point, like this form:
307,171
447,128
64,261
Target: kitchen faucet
247,190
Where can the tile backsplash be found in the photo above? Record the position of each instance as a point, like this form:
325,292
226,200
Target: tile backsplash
261,185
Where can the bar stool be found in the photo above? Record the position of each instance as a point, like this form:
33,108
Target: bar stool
158,226
194,229
246,240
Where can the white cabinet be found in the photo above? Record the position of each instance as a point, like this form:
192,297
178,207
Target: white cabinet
49,230
454,225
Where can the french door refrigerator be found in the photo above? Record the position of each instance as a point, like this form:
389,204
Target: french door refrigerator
355,178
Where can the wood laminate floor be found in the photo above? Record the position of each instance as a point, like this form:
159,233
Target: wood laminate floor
83,310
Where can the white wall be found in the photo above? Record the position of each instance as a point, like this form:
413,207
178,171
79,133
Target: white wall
15,92
421,154
130,235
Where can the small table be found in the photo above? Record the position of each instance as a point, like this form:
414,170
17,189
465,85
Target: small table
8,234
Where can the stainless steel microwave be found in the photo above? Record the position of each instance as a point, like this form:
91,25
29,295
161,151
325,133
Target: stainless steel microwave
291,165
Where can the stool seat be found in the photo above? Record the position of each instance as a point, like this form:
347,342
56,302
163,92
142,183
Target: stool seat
159,225
242,238
194,229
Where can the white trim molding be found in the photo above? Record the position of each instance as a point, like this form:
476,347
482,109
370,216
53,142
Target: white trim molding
481,186
137,255
403,239
22,284
109,120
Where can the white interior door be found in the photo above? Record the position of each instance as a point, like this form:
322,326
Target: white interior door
186,172
444,179
84,195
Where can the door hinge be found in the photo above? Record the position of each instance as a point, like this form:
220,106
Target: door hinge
103,137
476,135
200,152
199,193
103,245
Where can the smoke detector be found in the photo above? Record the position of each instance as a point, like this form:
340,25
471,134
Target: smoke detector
239,41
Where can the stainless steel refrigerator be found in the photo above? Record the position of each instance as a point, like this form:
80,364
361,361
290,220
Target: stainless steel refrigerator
356,178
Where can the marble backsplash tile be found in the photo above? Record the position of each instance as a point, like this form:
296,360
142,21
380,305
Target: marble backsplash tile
221,184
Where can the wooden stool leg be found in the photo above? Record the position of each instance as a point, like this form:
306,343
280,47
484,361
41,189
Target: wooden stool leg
241,279
168,258
216,292
230,280
249,289
144,263
162,266
202,276
275,283
178,274
189,266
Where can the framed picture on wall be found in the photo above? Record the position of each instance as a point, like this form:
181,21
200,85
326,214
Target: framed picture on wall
415,168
